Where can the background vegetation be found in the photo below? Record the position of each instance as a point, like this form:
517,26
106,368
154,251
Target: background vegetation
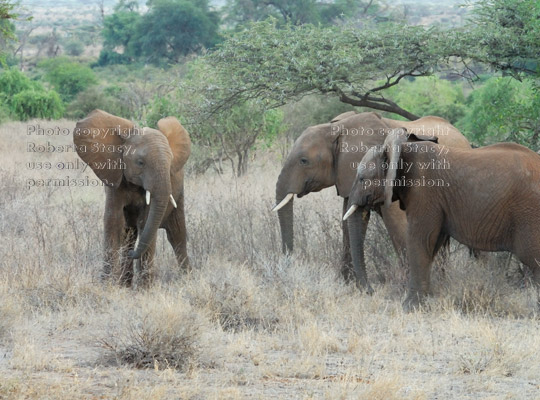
235,72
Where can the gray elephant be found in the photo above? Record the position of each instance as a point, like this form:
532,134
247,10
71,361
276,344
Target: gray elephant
143,173
327,155
486,198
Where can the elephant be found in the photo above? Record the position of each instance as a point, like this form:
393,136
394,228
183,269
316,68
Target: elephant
142,170
326,155
486,198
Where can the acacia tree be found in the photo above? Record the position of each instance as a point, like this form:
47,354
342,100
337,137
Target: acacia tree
9,12
505,34
169,30
356,63
240,12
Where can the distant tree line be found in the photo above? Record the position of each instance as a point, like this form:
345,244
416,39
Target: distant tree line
255,71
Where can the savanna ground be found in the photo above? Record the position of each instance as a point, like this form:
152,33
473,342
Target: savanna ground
247,322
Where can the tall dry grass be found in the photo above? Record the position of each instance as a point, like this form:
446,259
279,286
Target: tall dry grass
247,321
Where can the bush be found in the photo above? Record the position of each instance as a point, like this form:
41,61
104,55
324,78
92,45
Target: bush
68,78
13,81
37,104
160,107
4,113
24,98
92,98
504,109
74,47
429,96
163,333
109,57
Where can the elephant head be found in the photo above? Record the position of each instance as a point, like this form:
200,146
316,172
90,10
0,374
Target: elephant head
322,157
375,177
141,161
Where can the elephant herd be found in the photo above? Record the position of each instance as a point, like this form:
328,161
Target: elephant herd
422,177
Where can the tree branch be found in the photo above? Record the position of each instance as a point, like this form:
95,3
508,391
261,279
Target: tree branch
377,103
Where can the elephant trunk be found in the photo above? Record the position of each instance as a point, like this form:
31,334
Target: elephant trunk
357,224
285,214
160,198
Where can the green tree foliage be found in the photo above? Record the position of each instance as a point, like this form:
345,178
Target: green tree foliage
67,77
504,109
9,12
280,65
13,81
120,33
173,28
431,96
227,136
234,134
24,98
505,34
240,12
169,30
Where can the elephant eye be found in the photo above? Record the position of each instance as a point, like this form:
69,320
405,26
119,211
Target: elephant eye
140,163
304,161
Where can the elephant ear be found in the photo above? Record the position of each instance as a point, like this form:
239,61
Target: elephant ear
343,116
98,139
179,141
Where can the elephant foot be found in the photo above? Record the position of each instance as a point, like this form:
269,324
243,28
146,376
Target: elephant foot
413,302
364,286
185,265
347,272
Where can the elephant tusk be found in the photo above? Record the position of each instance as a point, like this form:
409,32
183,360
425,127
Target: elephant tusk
173,202
148,197
283,202
350,211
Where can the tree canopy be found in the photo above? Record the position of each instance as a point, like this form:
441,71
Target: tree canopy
169,30
278,65
505,34
240,12
9,12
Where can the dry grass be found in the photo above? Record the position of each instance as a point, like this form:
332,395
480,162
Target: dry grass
247,322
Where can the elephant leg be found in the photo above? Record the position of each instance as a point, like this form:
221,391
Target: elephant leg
177,235
423,240
530,256
347,270
395,222
358,223
125,273
114,227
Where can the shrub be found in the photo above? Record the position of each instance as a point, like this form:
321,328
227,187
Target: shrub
163,333
430,96
13,81
504,109
37,104
92,98
68,78
74,47
24,98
